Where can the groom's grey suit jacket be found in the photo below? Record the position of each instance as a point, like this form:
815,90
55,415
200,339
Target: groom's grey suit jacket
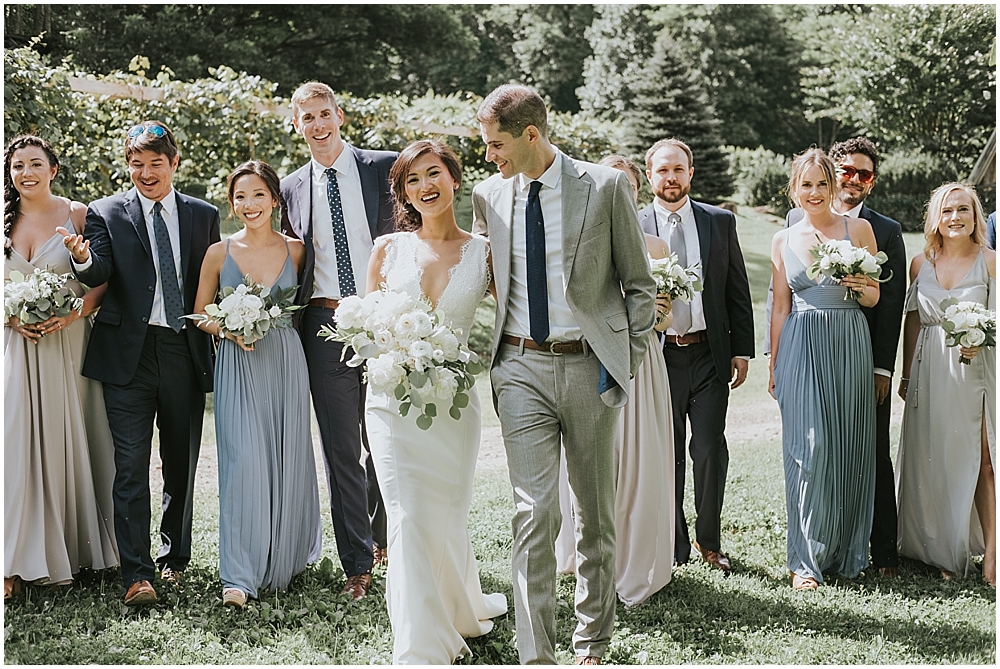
609,287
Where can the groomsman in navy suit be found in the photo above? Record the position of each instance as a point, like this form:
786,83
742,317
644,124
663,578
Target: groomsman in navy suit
857,163
708,347
148,245
337,204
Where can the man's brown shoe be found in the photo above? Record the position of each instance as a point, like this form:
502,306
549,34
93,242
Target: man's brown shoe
715,558
140,593
357,586
588,659
888,572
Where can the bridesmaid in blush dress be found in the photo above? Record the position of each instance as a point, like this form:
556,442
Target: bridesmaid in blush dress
58,455
947,449
269,522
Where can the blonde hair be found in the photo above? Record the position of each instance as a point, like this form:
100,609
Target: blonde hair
310,90
803,162
933,217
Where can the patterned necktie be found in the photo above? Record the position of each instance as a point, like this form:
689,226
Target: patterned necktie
682,310
538,294
173,303
345,272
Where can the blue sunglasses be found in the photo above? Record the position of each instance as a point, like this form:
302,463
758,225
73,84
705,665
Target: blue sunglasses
155,130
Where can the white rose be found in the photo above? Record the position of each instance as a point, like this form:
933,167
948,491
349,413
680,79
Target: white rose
384,339
253,302
421,350
350,312
274,311
422,325
234,322
973,338
447,384
959,319
869,265
229,303
384,374
241,289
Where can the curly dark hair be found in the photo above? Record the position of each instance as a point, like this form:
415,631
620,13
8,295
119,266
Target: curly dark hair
11,197
407,217
261,169
861,145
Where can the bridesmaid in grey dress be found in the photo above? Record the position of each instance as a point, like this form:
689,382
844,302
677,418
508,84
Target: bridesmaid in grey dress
821,375
269,522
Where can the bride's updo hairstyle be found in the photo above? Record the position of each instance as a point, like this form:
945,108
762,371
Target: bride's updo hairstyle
407,217
804,161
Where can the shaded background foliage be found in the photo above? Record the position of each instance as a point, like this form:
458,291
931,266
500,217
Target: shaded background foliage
914,78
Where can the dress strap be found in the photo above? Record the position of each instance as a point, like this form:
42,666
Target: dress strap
847,231
288,253
227,247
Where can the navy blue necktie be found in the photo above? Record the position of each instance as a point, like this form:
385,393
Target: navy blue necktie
173,303
345,272
538,293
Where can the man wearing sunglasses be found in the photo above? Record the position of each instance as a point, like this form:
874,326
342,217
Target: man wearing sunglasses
148,245
857,162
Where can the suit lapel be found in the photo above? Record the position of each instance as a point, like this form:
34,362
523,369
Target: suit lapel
703,222
369,189
134,209
575,196
184,224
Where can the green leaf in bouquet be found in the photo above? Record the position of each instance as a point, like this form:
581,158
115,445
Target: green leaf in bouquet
417,379
696,285
264,326
404,409
813,271
400,392
949,302
226,292
473,368
212,309
424,421
15,276
368,351
415,398
461,400
265,293
43,305
947,326
430,410
455,412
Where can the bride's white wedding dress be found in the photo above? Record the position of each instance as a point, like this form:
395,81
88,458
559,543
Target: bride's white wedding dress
433,593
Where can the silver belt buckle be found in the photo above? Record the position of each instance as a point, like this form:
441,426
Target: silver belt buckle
677,340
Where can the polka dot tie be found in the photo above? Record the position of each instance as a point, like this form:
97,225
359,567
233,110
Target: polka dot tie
173,303
345,272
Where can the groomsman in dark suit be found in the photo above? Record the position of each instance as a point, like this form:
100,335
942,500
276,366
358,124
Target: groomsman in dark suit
857,163
148,245
337,204
708,347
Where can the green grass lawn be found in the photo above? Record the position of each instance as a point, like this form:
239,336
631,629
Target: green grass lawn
752,617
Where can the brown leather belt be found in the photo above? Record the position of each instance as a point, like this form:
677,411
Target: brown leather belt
555,347
686,340
324,302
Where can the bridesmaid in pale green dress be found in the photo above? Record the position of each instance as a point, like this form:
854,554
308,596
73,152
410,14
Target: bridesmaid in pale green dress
269,522
821,375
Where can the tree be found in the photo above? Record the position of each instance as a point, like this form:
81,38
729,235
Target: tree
670,102
621,38
915,77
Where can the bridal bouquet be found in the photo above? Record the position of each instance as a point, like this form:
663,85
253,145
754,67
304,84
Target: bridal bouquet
838,258
410,354
250,309
39,296
674,280
968,324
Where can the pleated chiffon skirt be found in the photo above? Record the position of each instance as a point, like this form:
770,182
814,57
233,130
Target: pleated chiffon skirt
269,518
824,387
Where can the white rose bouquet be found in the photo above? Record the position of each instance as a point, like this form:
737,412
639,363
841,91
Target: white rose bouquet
250,309
968,324
39,296
838,258
410,354
674,280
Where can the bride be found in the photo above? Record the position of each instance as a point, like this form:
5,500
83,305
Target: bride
432,585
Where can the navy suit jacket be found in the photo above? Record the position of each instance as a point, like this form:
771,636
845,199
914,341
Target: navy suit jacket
885,319
122,256
726,290
297,206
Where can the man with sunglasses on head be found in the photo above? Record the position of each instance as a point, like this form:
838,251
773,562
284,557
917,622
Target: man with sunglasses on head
857,163
148,245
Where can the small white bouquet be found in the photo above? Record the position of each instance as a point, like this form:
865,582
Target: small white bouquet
968,324
39,296
410,354
250,309
674,280
839,258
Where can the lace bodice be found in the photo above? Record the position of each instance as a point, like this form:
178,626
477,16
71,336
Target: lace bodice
467,282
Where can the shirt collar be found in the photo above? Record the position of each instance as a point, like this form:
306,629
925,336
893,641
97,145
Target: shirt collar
169,203
550,177
854,212
686,212
342,164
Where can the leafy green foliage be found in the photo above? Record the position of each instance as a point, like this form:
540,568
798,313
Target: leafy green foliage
621,38
761,178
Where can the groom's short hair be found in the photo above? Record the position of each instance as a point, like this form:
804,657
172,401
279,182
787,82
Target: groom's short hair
513,108
310,90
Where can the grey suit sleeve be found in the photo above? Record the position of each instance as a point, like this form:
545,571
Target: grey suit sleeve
628,251
478,217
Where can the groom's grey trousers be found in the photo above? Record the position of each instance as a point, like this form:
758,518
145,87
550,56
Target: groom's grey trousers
545,401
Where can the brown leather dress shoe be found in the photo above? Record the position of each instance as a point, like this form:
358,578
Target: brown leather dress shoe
888,572
139,594
715,558
357,586
588,659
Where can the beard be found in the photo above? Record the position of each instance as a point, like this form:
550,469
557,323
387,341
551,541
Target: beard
670,197
852,198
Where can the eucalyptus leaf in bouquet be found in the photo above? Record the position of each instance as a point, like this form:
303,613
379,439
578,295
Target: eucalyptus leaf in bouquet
250,309
968,324
839,258
39,296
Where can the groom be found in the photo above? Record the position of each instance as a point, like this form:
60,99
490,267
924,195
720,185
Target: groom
575,302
